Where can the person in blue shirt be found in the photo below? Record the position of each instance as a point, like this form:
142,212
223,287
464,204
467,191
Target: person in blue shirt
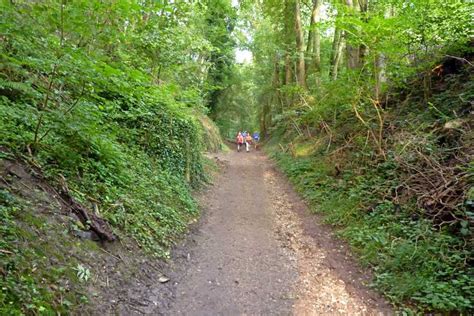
256,138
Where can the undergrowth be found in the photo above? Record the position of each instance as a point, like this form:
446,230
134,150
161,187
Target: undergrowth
139,176
32,280
124,145
391,209
412,260
85,102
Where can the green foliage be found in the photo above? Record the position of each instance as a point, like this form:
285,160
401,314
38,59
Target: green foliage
220,20
111,96
412,260
83,273
379,129
236,110
27,273
417,259
80,94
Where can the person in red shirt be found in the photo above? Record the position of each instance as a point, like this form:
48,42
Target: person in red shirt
240,140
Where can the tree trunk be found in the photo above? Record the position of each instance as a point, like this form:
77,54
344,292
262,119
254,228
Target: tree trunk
336,53
380,64
313,48
379,71
352,56
265,118
288,77
288,73
316,37
300,63
363,50
276,82
351,50
309,51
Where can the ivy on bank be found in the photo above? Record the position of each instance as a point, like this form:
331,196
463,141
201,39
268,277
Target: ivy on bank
110,96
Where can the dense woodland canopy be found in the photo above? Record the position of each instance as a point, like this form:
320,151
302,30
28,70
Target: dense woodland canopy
307,48
365,104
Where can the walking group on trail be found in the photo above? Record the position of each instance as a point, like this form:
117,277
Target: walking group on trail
244,138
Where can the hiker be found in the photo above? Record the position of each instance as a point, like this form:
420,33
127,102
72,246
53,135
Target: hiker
240,140
256,138
248,141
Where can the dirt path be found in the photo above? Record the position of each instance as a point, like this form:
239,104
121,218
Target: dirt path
259,251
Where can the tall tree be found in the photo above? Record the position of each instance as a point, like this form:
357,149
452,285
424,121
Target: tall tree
220,16
313,49
336,52
288,68
300,62
352,49
276,85
363,49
